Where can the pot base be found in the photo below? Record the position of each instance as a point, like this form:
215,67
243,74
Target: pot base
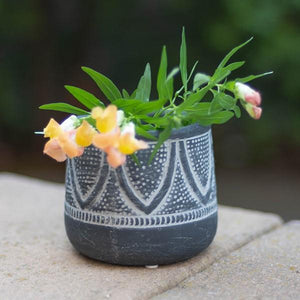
141,246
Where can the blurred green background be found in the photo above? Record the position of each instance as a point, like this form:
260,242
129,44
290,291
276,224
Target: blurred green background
43,44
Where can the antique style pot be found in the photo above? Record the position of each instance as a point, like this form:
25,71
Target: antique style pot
144,214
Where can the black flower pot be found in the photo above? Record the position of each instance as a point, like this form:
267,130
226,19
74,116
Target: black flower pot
144,214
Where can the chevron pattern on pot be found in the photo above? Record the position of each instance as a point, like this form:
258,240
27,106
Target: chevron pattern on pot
178,186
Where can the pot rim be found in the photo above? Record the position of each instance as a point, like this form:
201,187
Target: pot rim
182,132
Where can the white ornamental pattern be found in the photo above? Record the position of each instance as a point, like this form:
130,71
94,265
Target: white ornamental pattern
177,187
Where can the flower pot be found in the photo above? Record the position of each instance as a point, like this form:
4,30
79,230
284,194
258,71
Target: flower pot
144,214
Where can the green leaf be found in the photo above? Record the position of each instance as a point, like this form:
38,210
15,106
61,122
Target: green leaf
199,80
183,60
89,119
222,73
127,105
170,83
64,107
147,127
132,96
232,52
84,97
105,84
125,94
202,107
162,75
227,102
237,111
251,77
192,71
214,107
173,73
142,132
163,136
193,98
158,121
135,159
215,118
144,86
149,107
233,66
136,106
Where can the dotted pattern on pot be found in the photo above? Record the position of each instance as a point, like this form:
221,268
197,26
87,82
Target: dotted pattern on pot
179,184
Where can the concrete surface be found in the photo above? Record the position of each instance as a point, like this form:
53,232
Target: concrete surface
38,262
266,268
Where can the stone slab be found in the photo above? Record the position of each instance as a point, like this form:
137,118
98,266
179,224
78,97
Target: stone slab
38,262
266,268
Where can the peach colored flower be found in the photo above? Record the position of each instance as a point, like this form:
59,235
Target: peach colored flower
114,157
109,139
115,143
62,143
249,95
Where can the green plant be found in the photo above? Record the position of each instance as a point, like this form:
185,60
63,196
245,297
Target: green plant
201,98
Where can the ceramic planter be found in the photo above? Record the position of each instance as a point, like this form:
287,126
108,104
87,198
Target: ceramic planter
143,214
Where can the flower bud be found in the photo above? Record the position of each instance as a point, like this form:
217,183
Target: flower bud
254,111
248,94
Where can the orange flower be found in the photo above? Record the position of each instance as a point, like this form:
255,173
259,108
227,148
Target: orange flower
109,139
117,144
61,144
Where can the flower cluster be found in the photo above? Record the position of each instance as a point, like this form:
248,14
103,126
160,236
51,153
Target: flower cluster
110,134
251,100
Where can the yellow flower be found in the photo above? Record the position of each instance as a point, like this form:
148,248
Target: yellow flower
52,130
106,119
128,144
84,134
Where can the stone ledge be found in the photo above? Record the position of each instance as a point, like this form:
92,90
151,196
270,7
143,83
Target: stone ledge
38,262
266,268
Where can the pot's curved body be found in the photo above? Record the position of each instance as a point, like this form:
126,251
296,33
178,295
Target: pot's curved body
144,214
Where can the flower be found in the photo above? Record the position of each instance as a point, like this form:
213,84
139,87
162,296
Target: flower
254,111
84,134
251,100
62,143
128,144
109,139
114,157
248,94
106,119
115,142
107,124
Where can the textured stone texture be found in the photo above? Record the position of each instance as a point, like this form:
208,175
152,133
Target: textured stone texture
38,262
266,268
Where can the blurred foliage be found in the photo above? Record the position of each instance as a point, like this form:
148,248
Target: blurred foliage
44,43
